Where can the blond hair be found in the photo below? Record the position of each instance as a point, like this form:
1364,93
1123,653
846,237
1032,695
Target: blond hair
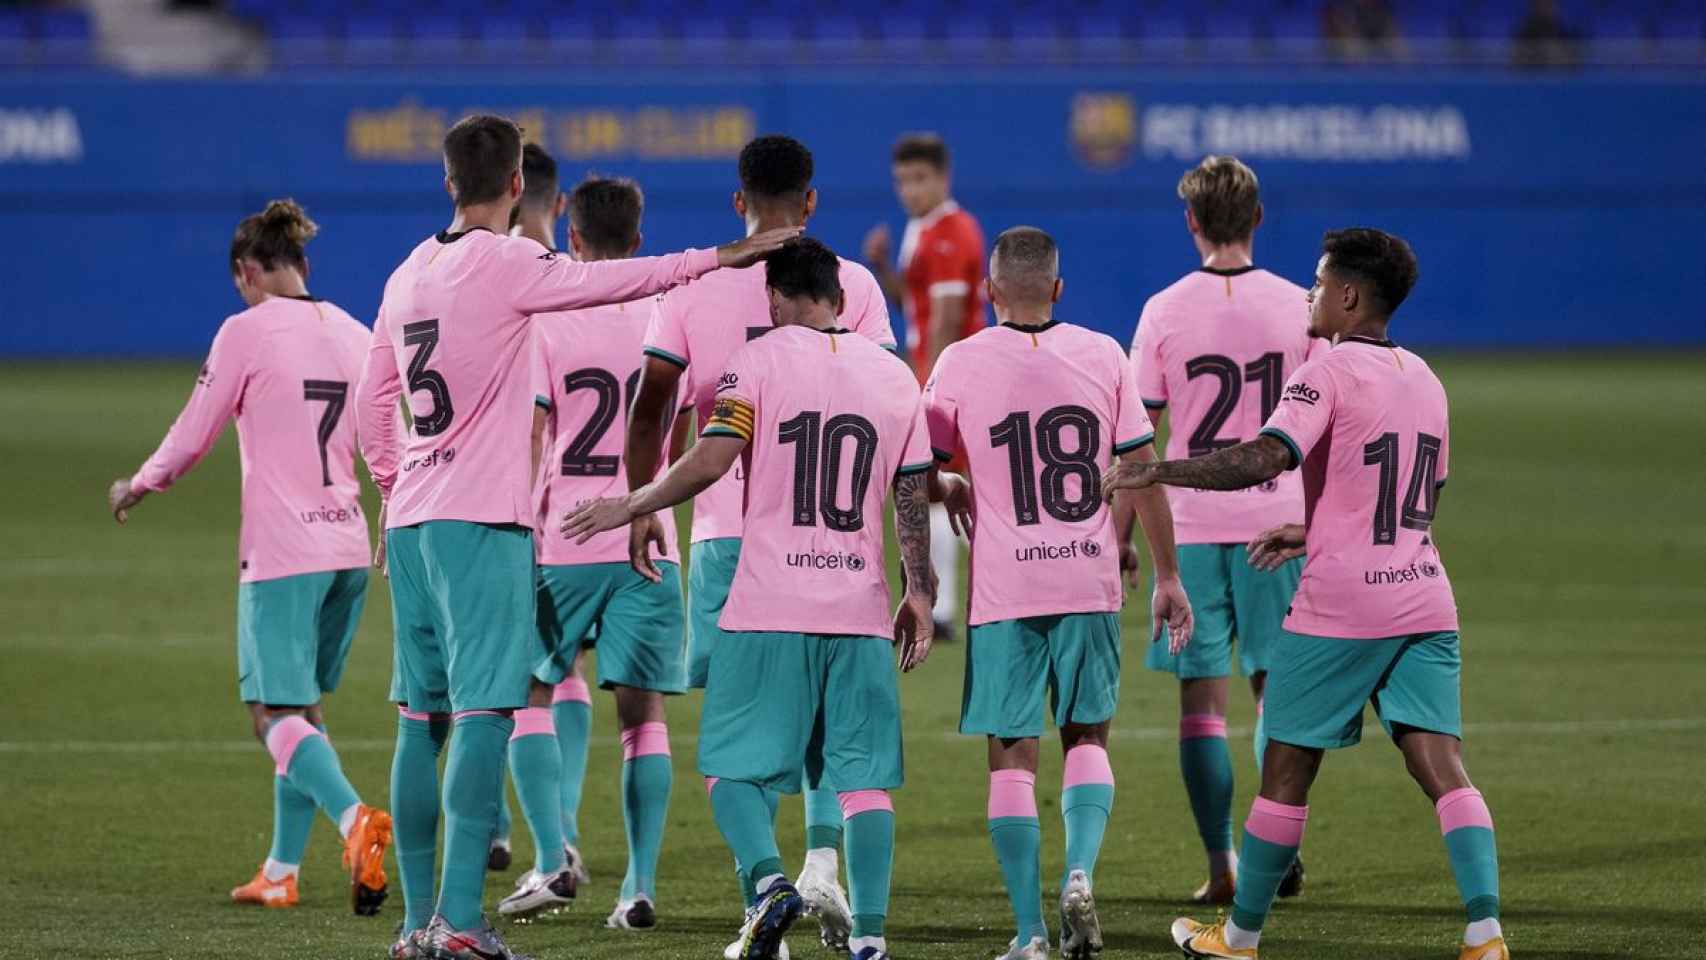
1224,196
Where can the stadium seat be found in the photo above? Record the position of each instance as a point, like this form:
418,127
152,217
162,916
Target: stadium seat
502,36
437,37
372,38
969,36
905,36
301,39
64,36
837,36
1165,36
571,36
707,36
771,37
1681,35
1231,35
638,37
14,36
1037,37
1098,36
1294,34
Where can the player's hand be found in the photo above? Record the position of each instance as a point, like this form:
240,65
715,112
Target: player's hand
642,532
1272,548
1128,474
120,497
914,629
1172,613
1131,566
877,244
956,499
596,516
380,561
745,253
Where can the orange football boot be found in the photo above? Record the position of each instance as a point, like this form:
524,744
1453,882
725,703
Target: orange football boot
364,858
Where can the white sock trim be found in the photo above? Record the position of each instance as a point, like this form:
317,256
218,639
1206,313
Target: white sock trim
856,944
346,820
765,883
825,859
275,871
1482,931
1240,939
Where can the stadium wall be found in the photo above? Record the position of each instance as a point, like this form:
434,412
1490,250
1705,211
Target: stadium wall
1545,211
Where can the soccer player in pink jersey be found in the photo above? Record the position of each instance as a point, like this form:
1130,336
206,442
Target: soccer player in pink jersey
283,368
1038,408
1373,621
700,326
1214,349
801,688
585,367
453,327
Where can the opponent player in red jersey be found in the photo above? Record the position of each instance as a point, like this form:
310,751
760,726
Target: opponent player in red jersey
939,282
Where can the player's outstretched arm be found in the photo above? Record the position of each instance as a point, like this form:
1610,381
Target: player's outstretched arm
709,459
1172,610
641,451
549,284
212,404
1234,468
914,628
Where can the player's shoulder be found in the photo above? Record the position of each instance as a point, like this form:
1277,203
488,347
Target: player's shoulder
962,222
1270,280
1163,300
856,274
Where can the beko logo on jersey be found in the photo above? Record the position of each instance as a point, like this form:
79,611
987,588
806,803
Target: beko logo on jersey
827,561
728,381
1302,393
432,459
1394,575
1088,549
330,514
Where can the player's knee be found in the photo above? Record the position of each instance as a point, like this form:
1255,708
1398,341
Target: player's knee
1084,734
538,693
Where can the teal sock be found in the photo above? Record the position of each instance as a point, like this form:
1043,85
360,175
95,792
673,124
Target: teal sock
473,781
743,817
1018,848
1084,810
749,893
870,865
573,719
1469,842
292,819
1206,764
536,764
1261,867
646,783
823,820
314,770
505,818
414,813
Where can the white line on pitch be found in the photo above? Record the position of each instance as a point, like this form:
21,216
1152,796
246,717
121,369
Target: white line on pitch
1495,728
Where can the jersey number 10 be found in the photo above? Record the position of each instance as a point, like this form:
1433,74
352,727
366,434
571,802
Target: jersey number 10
817,467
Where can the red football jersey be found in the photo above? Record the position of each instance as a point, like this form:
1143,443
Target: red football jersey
941,253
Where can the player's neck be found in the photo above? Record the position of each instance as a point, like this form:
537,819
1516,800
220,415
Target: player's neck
540,229
1231,256
285,283
758,223
492,216
1030,320
1369,330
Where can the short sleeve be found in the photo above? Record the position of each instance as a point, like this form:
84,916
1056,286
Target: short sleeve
1132,428
734,409
867,310
949,264
941,412
539,368
1305,409
916,458
1150,373
666,335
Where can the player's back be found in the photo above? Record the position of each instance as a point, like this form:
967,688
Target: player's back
1371,483
699,325
458,344
832,419
586,366
301,499
1039,413
1215,348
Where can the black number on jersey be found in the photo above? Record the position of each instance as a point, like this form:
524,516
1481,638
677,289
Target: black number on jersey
424,334
1267,371
1059,463
578,458
1422,496
817,467
333,393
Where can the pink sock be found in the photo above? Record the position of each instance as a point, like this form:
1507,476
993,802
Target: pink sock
572,688
1012,793
647,739
532,722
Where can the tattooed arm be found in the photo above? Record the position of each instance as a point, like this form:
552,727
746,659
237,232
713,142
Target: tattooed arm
913,625
1234,468
1170,609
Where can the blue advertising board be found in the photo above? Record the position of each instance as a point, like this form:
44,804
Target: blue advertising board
1545,211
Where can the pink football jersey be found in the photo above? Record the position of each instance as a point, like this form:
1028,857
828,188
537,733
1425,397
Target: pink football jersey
1367,421
284,368
703,323
1214,349
586,367
1038,414
453,331
830,420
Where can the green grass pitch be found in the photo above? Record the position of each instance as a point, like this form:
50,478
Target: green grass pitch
132,797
